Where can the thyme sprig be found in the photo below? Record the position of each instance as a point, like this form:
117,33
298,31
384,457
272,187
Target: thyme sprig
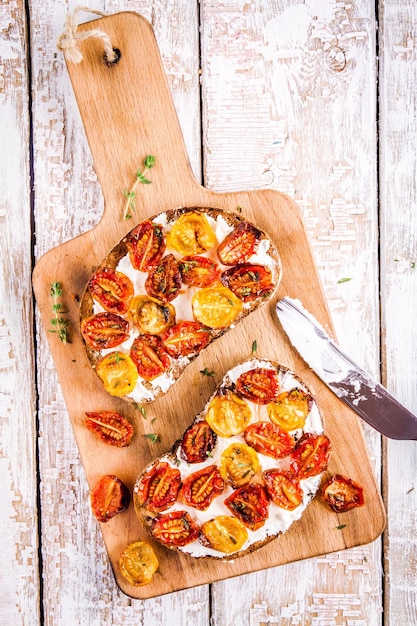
59,323
140,178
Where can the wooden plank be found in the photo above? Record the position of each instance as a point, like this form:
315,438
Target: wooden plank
398,131
19,577
281,108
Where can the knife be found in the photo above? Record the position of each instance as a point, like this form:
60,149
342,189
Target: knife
343,376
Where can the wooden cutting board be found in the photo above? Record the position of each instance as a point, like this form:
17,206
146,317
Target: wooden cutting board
128,113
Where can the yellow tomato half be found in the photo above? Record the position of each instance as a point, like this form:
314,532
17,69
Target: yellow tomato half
290,409
138,563
228,415
191,234
239,464
151,316
118,373
216,307
224,533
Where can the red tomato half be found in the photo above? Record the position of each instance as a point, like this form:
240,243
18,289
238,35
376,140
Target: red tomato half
185,339
164,279
250,505
198,271
113,290
199,489
149,356
269,439
239,245
259,385
342,494
248,282
310,456
104,330
146,245
175,529
157,490
109,497
198,442
283,489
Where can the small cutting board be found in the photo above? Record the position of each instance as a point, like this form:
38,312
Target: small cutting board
128,113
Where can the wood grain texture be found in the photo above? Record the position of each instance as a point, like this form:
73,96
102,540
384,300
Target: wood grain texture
19,576
398,133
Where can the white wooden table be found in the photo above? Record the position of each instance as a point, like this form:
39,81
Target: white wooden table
315,99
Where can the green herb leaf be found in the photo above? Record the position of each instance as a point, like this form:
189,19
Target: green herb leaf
152,436
343,280
254,346
60,324
340,527
130,195
207,372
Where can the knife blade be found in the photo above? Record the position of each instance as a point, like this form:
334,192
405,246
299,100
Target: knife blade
368,398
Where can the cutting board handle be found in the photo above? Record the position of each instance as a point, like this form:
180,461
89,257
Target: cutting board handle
128,113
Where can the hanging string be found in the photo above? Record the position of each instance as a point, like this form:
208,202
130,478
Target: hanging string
70,38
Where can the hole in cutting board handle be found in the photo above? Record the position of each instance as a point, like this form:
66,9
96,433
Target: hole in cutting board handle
115,61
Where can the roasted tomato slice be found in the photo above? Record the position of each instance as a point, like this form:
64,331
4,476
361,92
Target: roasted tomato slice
342,494
248,282
198,442
118,373
191,234
149,356
198,271
310,456
109,497
239,464
146,244
151,316
138,563
228,414
259,385
110,427
111,289
199,489
224,533
269,439
158,488
250,505
175,529
239,245
185,339
289,410
164,279
104,330
216,307
283,489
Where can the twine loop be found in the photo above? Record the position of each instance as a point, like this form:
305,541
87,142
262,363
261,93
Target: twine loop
70,37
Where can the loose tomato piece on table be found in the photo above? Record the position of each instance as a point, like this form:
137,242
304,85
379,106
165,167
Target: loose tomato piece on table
110,427
200,488
289,410
228,414
149,356
118,373
146,244
239,464
138,563
191,234
224,533
198,271
198,442
239,245
216,307
250,505
248,282
310,456
109,497
112,289
269,439
259,385
158,489
104,330
342,494
283,489
151,316
164,279
175,529
185,339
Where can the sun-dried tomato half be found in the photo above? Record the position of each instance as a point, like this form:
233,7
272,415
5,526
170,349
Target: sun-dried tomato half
157,490
185,339
310,456
248,282
197,443
138,563
149,356
104,330
269,439
110,427
342,494
199,489
175,529
239,245
111,289
250,505
283,489
198,271
146,244
109,497
259,385
164,279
